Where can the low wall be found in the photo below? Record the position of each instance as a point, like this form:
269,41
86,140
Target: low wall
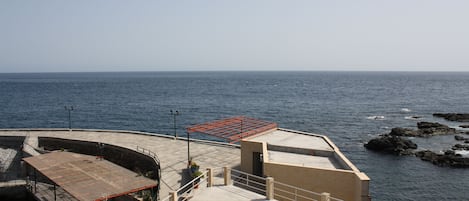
343,184
127,158
13,171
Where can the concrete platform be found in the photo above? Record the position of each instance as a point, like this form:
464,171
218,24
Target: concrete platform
290,139
171,152
303,160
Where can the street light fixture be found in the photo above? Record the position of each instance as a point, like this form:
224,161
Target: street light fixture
175,113
69,109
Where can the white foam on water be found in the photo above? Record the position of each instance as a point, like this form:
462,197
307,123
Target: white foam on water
413,117
405,110
464,153
376,117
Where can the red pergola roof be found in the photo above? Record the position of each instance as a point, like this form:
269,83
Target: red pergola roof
233,129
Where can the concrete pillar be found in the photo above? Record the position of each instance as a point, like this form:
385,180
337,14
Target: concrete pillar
227,175
325,196
269,188
174,196
209,177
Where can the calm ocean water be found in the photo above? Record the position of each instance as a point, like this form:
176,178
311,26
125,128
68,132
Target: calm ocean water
337,104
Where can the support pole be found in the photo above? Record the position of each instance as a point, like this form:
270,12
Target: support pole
269,188
55,194
174,196
35,181
188,152
227,175
209,177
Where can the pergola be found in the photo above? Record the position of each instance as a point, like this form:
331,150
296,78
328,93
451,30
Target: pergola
233,129
87,177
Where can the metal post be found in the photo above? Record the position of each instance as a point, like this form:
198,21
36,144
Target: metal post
69,109
209,177
269,188
227,175
35,181
55,194
175,113
188,151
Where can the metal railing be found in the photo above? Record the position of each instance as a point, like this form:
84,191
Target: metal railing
149,153
248,181
153,155
293,193
187,191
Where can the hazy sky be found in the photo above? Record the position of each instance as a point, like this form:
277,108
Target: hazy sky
114,35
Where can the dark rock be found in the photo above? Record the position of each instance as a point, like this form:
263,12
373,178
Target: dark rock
460,138
425,129
391,144
402,132
430,128
450,152
449,158
466,141
460,147
461,117
464,126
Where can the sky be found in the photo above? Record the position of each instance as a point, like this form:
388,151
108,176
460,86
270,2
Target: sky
310,35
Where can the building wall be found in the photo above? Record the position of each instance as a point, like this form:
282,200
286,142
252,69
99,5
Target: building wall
348,184
247,149
341,184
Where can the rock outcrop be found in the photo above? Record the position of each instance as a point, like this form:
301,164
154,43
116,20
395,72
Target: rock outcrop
460,147
464,126
461,138
461,117
391,144
449,158
429,128
425,129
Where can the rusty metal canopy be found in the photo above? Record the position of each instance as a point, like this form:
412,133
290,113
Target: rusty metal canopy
87,177
233,129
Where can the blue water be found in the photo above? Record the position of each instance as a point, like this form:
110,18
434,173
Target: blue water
336,104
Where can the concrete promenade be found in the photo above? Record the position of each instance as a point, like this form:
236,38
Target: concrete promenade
171,152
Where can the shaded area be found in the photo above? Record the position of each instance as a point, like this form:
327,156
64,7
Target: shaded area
86,177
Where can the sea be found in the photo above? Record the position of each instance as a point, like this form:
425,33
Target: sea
349,107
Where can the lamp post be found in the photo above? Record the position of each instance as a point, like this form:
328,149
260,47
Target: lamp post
69,109
188,152
175,113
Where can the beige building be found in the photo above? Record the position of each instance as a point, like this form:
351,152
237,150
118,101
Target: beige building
304,160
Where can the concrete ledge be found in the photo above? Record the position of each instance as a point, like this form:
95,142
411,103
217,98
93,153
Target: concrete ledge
125,132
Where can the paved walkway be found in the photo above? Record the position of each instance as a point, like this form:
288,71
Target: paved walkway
171,152
226,193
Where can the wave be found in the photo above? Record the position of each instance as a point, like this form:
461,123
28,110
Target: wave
376,117
413,117
405,110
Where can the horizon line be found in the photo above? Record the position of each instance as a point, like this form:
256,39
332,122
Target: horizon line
147,71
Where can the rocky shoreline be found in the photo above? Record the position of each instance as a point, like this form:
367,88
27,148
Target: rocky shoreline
397,143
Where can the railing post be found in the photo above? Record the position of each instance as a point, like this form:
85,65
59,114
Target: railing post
227,175
325,196
269,188
209,177
174,196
